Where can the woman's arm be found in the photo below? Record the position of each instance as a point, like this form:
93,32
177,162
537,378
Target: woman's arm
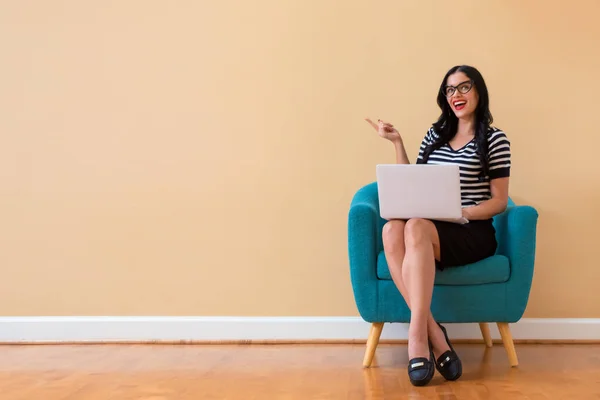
499,172
387,131
494,206
401,156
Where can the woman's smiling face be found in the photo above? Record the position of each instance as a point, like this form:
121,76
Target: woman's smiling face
461,95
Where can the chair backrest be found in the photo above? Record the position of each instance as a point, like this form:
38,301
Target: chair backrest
500,222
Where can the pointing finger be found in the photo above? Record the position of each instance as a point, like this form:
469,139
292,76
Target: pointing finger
373,124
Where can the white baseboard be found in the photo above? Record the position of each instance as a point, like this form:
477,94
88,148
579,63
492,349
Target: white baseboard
199,329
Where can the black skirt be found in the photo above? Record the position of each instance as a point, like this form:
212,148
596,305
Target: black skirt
465,244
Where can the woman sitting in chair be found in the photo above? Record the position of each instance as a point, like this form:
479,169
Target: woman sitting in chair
415,248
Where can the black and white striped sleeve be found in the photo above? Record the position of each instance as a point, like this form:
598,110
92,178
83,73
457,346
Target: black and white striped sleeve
499,155
428,140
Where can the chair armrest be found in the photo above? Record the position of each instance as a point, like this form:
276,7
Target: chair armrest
363,233
517,228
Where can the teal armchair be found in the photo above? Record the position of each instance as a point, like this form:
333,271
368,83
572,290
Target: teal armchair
493,290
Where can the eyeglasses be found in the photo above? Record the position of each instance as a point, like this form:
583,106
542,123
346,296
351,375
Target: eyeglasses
463,87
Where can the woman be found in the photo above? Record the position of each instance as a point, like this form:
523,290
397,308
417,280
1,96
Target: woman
415,248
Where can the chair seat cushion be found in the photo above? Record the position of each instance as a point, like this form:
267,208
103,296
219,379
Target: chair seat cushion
495,269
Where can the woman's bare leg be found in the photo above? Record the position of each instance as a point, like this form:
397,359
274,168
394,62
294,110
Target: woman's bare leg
393,246
395,249
422,248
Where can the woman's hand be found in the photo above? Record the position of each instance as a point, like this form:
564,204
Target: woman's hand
492,207
466,213
385,130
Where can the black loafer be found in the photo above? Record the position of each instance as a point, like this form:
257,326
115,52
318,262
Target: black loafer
448,364
421,369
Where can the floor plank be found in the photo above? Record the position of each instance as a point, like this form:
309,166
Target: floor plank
307,371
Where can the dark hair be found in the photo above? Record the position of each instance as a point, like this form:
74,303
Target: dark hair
447,123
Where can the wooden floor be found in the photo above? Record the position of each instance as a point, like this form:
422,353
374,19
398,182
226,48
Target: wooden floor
308,371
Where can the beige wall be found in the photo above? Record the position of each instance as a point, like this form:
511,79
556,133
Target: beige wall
198,158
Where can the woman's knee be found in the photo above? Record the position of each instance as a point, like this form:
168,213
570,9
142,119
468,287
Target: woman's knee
393,235
417,231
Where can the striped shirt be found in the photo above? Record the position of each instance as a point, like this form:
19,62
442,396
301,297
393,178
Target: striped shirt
474,187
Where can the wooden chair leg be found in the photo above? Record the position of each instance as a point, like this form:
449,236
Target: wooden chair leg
372,342
485,331
509,345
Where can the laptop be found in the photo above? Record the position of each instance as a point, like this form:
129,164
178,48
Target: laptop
420,191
